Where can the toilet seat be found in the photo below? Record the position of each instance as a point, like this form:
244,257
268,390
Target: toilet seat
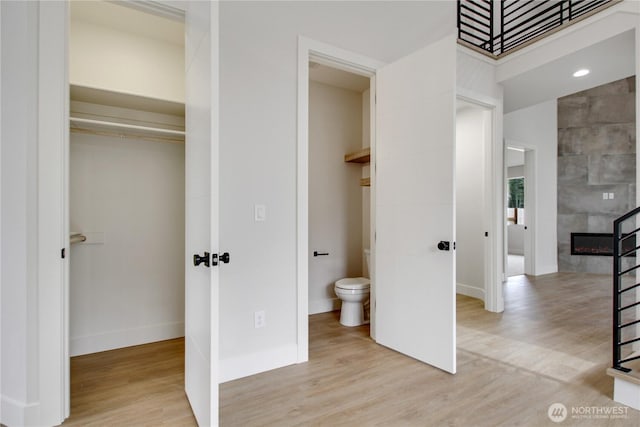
354,284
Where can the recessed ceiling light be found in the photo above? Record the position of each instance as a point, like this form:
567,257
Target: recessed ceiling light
581,73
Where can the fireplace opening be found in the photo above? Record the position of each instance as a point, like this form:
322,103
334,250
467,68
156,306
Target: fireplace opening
600,244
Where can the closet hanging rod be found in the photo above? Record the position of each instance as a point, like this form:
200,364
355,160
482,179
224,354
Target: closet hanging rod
77,238
124,126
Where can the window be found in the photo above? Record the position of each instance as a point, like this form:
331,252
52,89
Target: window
515,207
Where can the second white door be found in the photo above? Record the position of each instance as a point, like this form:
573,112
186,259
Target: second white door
415,208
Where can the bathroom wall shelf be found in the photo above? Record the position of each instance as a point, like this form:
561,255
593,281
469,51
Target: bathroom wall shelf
360,156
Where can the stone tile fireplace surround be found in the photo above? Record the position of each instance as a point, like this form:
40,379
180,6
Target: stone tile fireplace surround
596,155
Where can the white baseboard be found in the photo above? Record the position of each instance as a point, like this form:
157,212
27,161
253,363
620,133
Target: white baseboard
15,413
251,364
125,338
470,291
546,269
324,305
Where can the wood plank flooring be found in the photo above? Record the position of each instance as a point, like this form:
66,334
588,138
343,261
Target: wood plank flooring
133,386
552,344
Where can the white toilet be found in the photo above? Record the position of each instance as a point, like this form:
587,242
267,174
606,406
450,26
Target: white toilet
354,293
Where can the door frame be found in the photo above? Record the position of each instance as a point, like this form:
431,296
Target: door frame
487,113
352,62
54,380
494,197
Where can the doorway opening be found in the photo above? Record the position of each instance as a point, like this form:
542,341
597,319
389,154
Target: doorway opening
339,191
516,213
126,179
519,210
343,66
472,185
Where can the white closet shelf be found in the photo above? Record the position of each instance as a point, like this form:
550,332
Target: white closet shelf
102,126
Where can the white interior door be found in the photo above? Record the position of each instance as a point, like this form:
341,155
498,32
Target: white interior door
201,153
415,160
529,211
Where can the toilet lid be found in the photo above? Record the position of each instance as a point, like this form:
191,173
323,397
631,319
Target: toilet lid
353,283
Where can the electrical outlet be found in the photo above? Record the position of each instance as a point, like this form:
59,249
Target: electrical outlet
260,213
259,319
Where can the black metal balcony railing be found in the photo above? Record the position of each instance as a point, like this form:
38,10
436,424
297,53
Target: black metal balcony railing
498,27
626,295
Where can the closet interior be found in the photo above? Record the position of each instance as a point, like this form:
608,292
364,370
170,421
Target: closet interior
126,177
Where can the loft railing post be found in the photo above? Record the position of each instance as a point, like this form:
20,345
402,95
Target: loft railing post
459,26
491,19
616,294
570,10
502,26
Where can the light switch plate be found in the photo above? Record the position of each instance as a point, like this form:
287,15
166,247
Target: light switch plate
260,213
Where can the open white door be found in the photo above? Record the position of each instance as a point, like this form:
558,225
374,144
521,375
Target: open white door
415,160
201,156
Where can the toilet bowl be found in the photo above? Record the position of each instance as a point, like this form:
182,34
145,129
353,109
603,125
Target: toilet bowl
354,293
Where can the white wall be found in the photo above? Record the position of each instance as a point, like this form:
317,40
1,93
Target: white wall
335,195
537,128
476,75
515,171
19,285
470,202
127,288
258,105
515,238
112,59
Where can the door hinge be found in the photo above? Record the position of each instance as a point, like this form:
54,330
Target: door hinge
63,253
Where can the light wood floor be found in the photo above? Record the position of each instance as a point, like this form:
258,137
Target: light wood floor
552,344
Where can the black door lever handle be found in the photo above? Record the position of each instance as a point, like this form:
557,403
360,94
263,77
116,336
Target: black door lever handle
316,253
443,245
204,259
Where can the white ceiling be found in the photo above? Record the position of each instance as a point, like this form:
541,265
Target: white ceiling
334,77
109,14
609,60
